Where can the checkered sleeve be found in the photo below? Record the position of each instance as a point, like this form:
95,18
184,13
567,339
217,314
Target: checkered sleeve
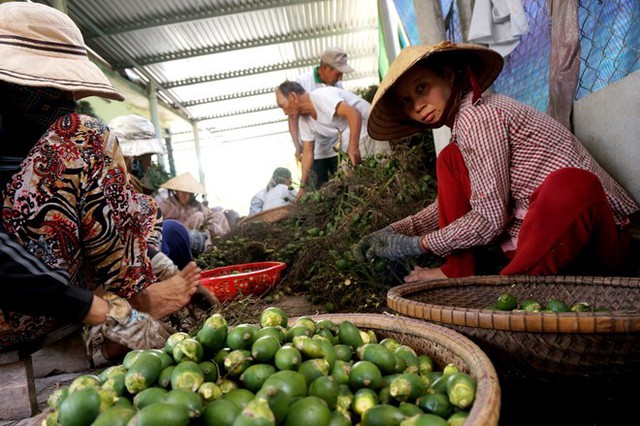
426,220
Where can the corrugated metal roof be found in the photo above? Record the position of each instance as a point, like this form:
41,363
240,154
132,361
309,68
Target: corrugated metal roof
218,61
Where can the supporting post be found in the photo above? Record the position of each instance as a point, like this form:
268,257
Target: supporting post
196,140
167,140
431,30
389,29
155,119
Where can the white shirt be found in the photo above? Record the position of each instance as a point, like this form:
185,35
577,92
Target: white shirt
328,124
309,82
277,196
257,202
323,145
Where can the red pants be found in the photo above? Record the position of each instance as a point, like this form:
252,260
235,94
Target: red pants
569,227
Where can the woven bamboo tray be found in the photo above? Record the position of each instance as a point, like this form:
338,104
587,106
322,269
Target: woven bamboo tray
589,348
444,346
270,216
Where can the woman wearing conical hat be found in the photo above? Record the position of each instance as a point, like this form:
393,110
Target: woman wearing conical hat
510,174
183,206
66,197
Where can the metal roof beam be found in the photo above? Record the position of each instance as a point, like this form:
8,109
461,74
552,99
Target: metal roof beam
209,50
230,96
261,91
88,23
195,15
262,123
260,70
239,112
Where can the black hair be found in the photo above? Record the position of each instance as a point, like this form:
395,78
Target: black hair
441,64
289,87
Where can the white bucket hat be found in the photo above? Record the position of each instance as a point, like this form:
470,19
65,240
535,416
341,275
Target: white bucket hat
136,135
42,47
185,183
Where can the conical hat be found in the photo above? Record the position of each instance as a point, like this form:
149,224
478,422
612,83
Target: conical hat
387,121
186,183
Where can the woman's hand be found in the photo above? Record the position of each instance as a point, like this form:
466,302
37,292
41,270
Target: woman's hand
424,274
97,312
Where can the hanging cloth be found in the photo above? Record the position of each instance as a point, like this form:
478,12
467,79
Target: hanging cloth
564,59
498,24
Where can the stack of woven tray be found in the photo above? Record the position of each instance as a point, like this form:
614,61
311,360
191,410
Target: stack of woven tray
588,347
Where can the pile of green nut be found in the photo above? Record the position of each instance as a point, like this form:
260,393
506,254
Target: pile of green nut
311,373
509,302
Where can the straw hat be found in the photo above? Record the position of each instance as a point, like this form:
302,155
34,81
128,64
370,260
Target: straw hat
42,47
136,134
387,120
186,183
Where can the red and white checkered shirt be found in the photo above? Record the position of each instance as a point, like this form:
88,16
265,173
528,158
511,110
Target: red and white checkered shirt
509,148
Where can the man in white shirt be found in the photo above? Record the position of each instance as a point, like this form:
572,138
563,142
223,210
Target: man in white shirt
333,65
324,114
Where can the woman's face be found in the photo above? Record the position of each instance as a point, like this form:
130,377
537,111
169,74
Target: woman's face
184,197
423,95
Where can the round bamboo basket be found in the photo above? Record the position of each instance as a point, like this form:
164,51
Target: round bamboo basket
589,347
269,216
444,346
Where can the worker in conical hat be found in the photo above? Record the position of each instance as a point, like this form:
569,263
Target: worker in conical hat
510,174
182,205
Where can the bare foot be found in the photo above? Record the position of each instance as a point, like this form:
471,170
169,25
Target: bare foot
166,297
424,274
112,351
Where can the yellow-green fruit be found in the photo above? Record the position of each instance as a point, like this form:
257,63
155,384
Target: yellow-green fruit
186,398
254,377
256,413
363,400
161,413
220,413
273,316
80,408
115,416
264,349
188,350
349,335
308,411
149,396
143,372
382,415
240,397
506,302
326,389
365,374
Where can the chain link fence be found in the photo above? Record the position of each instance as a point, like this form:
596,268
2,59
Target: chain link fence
610,48
609,44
